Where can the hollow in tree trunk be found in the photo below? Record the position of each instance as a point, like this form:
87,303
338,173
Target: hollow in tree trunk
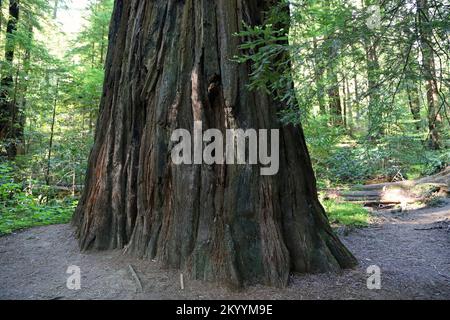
168,65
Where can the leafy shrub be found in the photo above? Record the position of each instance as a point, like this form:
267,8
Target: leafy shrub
433,162
349,165
391,157
21,209
321,139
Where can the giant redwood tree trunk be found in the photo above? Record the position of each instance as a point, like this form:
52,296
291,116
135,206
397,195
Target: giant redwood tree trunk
169,64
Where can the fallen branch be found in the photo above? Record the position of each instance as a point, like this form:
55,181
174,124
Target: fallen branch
440,225
428,229
58,187
181,281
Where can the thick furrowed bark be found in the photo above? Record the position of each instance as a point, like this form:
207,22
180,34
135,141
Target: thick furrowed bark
169,64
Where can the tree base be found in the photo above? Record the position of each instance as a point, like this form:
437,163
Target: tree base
169,65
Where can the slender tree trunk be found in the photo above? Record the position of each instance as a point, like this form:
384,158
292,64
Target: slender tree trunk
52,133
22,86
55,9
93,55
91,123
74,179
429,70
375,126
7,83
1,15
344,102
357,99
102,46
414,102
14,122
334,96
169,64
375,115
318,74
349,105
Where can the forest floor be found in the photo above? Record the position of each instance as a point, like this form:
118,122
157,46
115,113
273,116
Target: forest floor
411,248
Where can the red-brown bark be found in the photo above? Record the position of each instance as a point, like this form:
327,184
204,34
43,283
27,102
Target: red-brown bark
169,64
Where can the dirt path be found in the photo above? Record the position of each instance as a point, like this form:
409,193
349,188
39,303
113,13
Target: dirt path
415,264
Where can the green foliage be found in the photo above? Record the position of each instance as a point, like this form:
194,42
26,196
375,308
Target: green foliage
57,93
27,213
348,214
22,208
433,162
320,136
349,165
355,162
375,74
48,79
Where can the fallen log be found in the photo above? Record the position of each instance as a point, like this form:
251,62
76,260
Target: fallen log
360,193
394,193
62,188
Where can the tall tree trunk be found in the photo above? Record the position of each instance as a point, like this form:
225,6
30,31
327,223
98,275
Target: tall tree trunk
357,100
1,15
334,96
7,108
429,70
318,74
102,46
375,126
348,97
168,65
414,102
93,55
52,133
55,9
375,115
21,88
344,103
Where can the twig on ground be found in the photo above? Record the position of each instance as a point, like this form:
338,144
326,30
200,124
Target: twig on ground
136,278
440,273
181,281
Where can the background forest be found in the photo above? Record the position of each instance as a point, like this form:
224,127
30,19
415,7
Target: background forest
371,81
50,90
